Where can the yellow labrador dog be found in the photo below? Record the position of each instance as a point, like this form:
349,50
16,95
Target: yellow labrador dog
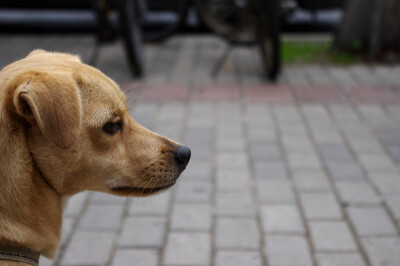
65,128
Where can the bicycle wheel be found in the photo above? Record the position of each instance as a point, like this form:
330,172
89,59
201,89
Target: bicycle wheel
268,29
131,35
232,19
163,18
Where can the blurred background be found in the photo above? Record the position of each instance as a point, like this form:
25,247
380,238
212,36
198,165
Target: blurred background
291,110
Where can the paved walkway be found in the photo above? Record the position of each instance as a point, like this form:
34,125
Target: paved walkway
302,173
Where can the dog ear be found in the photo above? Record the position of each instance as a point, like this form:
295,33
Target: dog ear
61,56
37,51
51,101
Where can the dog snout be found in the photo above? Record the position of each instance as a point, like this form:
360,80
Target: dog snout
182,156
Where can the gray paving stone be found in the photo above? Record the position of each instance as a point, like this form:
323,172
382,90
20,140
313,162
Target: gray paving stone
340,259
287,250
228,109
389,136
375,116
66,230
230,144
382,251
342,77
297,77
332,237
188,249
193,191
259,120
235,233
197,170
232,162
193,217
101,217
254,110
287,114
127,257
345,172
387,183
371,221
370,111
377,163
294,133
273,191
171,112
320,206
297,144
257,114
233,180
270,170
281,219
150,206
357,193
238,258
393,203
394,111
365,145
358,136
365,76
171,131
262,134
235,204
315,111
144,113
143,232
335,153
198,137
319,127
345,114
327,136
311,181
231,129
105,198
303,161
261,152
76,204
228,119
46,262
395,153
200,152
318,75
387,76
89,248
201,109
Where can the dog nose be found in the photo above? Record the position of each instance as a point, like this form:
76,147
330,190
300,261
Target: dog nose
182,155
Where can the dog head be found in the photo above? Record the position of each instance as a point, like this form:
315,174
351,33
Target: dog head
80,133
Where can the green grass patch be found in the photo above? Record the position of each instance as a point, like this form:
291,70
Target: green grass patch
315,52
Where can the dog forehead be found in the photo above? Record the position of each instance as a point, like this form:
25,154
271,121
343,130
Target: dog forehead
102,101
95,87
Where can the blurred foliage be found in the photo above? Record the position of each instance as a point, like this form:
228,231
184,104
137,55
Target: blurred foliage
315,52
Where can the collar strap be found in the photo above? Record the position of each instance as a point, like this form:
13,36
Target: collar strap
19,254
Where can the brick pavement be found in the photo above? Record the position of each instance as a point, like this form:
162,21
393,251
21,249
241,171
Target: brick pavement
304,172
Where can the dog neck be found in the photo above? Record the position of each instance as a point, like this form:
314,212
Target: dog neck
30,209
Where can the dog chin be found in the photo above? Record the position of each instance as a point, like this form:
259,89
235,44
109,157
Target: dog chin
139,191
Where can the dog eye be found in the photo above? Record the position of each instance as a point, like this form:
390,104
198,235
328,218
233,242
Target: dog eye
112,127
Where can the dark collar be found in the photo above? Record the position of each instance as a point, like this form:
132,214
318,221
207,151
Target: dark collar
19,254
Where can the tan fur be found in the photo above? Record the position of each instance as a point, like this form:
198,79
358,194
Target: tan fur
52,145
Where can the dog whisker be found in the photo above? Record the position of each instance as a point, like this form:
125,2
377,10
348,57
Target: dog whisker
144,188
